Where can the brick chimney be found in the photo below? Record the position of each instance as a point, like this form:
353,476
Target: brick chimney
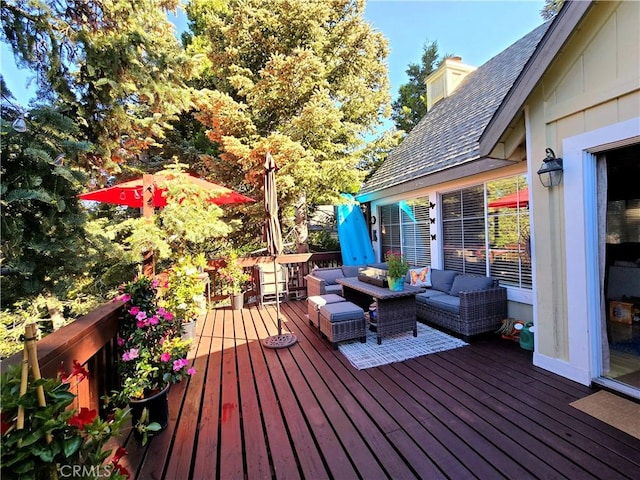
442,82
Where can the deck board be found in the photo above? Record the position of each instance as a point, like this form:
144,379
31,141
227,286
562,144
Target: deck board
283,459
482,411
255,439
206,451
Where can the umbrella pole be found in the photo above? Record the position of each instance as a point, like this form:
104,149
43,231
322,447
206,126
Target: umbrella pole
281,340
277,278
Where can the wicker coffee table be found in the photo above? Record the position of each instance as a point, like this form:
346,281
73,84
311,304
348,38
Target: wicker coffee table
396,310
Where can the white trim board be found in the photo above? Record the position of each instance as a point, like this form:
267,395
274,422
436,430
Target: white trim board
581,245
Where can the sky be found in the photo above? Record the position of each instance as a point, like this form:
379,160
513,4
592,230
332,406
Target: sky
474,30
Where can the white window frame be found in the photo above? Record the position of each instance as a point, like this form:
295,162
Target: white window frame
581,247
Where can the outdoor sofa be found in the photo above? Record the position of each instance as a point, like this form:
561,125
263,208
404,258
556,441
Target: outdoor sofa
463,304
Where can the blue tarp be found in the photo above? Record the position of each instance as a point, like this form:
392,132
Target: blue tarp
353,234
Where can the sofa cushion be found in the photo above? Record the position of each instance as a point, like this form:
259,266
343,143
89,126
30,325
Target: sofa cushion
419,277
340,312
422,297
469,283
351,270
334,288
329,275
442,279
381,265
448,303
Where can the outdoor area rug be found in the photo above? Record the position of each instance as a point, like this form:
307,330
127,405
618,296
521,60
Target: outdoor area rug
399,347
613,409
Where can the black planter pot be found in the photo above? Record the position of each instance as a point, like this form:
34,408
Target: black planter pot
158,410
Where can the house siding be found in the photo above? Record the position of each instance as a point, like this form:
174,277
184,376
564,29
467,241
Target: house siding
587,96
593,83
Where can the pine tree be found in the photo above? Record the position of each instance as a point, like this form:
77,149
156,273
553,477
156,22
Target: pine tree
551,8
42,221
411,104
304,80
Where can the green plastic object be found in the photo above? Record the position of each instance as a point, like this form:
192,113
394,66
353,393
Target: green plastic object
526,336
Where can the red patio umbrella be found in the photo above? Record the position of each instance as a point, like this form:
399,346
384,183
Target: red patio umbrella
130,193
513,200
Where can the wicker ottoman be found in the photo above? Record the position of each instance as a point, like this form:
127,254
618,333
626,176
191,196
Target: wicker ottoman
315,302
342,321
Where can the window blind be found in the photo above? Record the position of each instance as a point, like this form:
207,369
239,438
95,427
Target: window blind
463,229
509,246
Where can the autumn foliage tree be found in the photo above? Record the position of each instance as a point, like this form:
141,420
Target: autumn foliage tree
304,80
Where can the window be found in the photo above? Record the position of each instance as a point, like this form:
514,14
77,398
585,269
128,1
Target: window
390,228
463,229
509,243
491,240
405,227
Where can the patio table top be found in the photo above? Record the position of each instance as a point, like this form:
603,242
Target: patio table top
381,293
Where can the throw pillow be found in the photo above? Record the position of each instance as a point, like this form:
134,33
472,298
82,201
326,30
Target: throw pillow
468,283
351,270
442,279
420,277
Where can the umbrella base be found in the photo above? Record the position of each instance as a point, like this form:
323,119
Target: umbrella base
284,340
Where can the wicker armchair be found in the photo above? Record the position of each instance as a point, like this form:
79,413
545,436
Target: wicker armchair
480,311
322,281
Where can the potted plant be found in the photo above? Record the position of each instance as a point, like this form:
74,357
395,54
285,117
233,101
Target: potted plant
152,355
234,278
48,441
183,294
397,270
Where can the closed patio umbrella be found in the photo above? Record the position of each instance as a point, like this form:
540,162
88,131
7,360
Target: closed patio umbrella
274,246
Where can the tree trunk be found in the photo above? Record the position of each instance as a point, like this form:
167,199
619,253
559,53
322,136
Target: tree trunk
57,319
302,231
148,262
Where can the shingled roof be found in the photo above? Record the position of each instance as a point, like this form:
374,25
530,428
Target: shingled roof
448,135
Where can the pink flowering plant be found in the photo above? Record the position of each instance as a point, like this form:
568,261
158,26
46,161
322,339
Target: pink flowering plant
152,353
397,264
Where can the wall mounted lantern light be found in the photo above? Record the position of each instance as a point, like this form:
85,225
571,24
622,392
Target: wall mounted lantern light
550,172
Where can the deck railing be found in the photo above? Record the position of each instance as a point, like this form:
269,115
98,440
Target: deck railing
91,339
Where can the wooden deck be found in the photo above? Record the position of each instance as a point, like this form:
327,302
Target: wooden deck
481,411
